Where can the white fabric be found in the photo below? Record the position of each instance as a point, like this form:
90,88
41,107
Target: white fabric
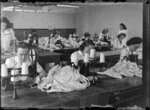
43,44
53,40
6,37
64,79
125,68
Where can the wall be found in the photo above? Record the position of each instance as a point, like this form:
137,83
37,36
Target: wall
91,18
110,16
41,20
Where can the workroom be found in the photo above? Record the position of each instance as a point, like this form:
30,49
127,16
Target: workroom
71,55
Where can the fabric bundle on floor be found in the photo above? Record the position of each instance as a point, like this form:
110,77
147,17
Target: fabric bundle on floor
124,68
63,79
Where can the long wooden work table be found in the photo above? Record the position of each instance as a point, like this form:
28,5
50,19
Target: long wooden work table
105,91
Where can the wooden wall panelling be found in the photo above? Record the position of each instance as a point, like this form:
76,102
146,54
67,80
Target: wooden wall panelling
22,34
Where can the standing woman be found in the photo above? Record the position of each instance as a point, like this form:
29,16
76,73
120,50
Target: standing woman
123,29
7,35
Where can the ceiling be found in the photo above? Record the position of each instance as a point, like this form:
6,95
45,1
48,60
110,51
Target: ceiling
38,7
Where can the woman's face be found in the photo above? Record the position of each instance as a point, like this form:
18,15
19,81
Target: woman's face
87,49
121,38
3,26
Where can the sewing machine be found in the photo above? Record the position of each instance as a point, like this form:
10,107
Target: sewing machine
10,75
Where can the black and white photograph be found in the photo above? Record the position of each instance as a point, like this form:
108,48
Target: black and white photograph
77,55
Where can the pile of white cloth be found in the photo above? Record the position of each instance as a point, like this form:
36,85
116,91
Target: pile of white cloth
124,68
43,44
63,79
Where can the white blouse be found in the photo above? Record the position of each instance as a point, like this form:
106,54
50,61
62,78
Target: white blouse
123,31
76,56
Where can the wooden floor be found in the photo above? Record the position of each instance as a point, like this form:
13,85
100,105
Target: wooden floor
97,94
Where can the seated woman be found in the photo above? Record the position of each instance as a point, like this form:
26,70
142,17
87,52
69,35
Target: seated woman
86,36
57,40
30,39
77,58
120,42
126,65
95,38
79,55
23,57
35,36
67,78
104,36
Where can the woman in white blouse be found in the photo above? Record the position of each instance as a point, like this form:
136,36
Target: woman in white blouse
84,48
7,35
120,41
133,45
123,29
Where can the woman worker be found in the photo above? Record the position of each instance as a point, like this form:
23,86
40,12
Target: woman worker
120,41
7,35
127,65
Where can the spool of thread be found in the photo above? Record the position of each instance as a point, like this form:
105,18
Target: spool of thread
34,41
92,53
25,71
4,71
16,78
135,53
140,55
102,58
86,58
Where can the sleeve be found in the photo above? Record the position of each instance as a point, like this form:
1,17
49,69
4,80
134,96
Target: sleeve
12,35
9,63
74,58
40,70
